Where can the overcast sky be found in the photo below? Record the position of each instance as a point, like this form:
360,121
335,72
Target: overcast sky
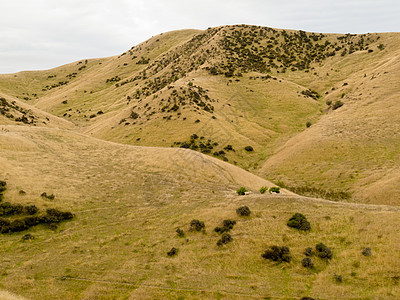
42,34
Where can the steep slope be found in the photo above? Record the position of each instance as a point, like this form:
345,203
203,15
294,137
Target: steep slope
128,202
355,147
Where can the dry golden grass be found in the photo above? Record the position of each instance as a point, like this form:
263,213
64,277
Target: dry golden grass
128,202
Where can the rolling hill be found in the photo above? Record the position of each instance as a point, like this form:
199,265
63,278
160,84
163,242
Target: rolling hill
141,144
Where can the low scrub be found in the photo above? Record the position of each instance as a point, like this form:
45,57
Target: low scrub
241,191
278,254
196,225
299,221
225,239
323,251
243,211
227,226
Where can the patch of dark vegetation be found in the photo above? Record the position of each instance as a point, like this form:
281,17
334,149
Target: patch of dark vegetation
45,195
173,252
307,190
15,112
55,85
201,145
367,252
311,94
249,148
3,188
241,191
27,237
308,251
337,104
225,239
338,278
196,225
278,254
180,233
323,251
275,190
113,79
263,189
299,221
243,211
227,225
307,263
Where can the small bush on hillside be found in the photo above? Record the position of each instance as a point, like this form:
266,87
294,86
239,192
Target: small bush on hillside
180,233
337,104
241,191
308,251
172,252
248,148
225,239
323,251
308,124
307,263
367,252
50,197
31,209
227,226
263,189
338,278
243,211
8,209
299,221
275,189
3,186
279,254
196,225
28,237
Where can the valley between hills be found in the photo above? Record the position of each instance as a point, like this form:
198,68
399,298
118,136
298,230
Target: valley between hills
109,164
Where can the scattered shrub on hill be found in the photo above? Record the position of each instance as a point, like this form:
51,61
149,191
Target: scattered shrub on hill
275,189
308,124
22,192
367,252
323,251
172,252
31,209
248,148
180,233
279,254
50,197
337,104
263,189
308,251
8,209
28,237
3,187
241,191
381,47
338,278
196,225
227,226
307,263
307,298
299,221
225,239
243,211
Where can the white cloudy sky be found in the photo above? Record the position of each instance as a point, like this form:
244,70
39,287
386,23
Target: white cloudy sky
41,34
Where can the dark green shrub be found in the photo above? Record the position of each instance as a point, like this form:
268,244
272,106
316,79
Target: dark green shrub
243,211
308,251
308,124
299,221
337,104
323,251
307,263
28,237
367,252
275,189
338,278
227,226
307,298
172,252
8,209
50,197
196,225
180,232
279,254
31,209
225,239
241,191
3,186
263,189
17,226
248,148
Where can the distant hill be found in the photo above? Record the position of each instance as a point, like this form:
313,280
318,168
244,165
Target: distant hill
317,109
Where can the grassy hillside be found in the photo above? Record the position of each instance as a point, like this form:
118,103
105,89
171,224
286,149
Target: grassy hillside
128,202
239,86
